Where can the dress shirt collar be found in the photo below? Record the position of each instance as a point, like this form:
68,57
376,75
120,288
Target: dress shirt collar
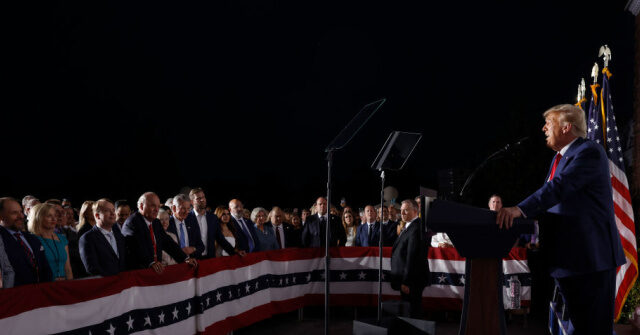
237,218
566,147
325,216
104,231
146,221
409,223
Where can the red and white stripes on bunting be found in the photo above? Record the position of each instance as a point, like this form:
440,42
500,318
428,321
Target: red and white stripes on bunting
228,293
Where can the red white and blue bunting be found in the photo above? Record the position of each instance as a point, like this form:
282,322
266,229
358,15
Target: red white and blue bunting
228,293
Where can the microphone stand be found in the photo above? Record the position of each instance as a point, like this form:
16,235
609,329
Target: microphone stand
502,151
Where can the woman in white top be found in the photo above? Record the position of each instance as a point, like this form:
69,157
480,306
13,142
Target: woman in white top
349,224
226,228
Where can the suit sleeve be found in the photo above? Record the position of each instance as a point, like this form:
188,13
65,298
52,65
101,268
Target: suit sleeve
8,274
198,240
306,235
340,233
44,271
89,256
586,165
135,242
171,247
409,269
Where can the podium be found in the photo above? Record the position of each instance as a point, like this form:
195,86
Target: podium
476,236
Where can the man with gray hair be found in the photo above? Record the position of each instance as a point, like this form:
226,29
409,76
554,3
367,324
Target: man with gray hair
185,227
28,204
575,206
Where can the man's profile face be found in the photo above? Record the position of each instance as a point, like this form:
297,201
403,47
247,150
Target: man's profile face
199,201
553,131
181,210
150,207
407,212
321,206
11,216
122,213
495,203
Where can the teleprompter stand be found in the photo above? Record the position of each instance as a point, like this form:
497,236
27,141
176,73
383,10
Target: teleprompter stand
343,138
392,157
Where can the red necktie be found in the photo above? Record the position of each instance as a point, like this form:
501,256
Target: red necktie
153,241
555,165
32,259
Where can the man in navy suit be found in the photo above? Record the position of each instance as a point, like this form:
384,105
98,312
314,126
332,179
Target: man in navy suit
580,234
25,252
368,233
314,232
146,239
247,237
389,227
185,227
210,231
102,249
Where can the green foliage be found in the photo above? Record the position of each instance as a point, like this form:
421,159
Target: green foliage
633,300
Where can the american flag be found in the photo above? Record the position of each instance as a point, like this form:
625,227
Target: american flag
602,129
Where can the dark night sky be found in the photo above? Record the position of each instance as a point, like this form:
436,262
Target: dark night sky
240,97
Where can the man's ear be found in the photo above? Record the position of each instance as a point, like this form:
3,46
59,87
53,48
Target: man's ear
567,128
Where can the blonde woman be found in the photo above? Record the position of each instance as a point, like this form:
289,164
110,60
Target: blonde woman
87,221
42,222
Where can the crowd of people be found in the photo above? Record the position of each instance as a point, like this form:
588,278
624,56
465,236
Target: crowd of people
50,240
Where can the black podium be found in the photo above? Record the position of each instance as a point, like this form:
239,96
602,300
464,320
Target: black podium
476,236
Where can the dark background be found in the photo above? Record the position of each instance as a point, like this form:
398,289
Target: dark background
111,99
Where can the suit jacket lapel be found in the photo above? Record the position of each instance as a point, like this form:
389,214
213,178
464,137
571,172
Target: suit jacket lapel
105,242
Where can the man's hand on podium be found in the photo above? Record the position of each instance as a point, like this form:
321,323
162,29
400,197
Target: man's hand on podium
505,216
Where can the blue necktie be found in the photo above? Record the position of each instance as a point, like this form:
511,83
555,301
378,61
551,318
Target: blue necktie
246,232
182,241
113,243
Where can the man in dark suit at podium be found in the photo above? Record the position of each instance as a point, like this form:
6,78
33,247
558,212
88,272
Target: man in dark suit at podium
580,234
409,267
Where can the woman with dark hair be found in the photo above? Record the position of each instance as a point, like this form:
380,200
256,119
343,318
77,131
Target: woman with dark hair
227,229
164,215
349,224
